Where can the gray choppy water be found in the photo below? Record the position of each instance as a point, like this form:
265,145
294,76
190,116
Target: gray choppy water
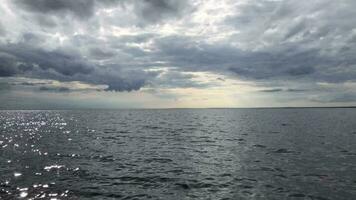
179,154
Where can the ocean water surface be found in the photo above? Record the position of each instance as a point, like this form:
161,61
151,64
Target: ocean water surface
179,154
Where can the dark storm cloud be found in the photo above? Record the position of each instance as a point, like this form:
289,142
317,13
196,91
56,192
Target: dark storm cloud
79,8
189,55
62,62
312,40
54,89
287,41
125,85
186,53
7,65
155,10
291,61
147,11
23,60
151,11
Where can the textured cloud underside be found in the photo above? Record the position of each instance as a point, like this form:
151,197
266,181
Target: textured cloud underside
127,45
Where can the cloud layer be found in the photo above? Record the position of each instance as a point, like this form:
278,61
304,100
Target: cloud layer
283,47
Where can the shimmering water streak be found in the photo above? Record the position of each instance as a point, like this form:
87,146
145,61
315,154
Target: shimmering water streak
178,154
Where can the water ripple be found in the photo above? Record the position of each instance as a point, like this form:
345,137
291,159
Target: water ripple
178,154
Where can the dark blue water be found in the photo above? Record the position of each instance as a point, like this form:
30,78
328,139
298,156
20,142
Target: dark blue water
179,154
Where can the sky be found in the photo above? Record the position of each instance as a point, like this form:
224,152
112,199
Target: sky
177,53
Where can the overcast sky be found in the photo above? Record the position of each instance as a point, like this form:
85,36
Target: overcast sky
177,53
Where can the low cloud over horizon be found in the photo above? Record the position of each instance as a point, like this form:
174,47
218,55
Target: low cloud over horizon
177,53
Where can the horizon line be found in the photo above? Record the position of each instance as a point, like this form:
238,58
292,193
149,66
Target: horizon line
173,108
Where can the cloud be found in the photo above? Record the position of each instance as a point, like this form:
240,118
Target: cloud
303,70
31,84
283,90
7,67
145,11
272,90
2,30
176,79
100,54
335,98
27,61
54,89
4,86
186,53
121,43
296,90
26,58
152,11
79,8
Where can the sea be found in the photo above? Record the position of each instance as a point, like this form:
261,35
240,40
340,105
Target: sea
218,154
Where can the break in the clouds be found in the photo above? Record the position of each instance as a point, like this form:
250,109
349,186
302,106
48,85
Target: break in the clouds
171,53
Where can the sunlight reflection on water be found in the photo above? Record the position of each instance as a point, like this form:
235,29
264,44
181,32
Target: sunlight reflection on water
178,154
